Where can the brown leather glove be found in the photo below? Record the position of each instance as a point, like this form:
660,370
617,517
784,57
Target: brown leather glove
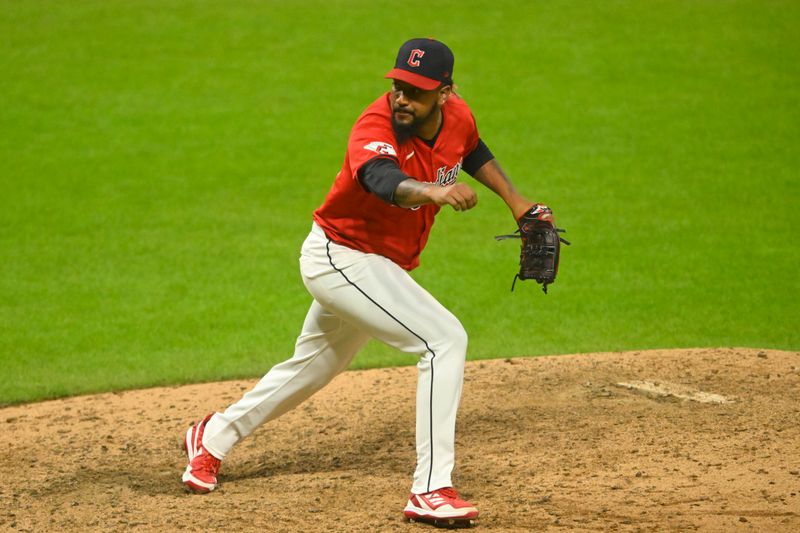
541,246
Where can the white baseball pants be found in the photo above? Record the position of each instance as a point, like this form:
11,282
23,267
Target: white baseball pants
358,296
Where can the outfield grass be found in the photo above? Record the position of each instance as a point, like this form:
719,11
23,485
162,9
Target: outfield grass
161,161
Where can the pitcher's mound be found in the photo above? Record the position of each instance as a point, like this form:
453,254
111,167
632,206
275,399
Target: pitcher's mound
704,439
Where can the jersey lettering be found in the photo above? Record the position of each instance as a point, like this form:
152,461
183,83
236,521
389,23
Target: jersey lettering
381,148
446,177
414,57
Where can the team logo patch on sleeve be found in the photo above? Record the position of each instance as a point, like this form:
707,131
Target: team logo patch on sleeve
381,148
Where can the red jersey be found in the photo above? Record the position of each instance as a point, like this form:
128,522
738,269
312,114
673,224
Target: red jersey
356,218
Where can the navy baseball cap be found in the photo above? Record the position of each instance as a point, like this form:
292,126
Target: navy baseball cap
424,63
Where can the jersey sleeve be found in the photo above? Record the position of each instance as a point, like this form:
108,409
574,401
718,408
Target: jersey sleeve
372,137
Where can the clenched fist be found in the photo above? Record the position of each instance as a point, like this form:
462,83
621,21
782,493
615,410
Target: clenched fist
459,195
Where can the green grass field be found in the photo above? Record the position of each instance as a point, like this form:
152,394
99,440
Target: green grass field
160,162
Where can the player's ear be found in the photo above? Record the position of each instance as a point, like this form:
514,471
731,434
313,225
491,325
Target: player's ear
444,93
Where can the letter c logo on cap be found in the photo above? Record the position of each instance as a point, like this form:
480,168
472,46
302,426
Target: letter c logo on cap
416,55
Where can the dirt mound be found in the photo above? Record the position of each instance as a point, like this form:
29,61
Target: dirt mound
581,442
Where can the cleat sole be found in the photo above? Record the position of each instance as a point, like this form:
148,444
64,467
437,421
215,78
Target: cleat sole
445,523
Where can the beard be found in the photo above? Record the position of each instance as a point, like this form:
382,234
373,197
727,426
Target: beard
404,132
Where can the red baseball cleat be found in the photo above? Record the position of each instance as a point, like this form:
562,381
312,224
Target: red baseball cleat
201,472
442,508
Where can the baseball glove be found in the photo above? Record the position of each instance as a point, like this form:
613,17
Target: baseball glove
541,246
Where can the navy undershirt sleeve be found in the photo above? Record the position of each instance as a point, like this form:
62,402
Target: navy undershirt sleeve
477,158
381,176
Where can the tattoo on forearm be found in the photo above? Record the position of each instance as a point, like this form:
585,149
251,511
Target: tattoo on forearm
410,193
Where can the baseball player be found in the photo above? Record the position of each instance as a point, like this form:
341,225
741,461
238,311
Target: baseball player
403,158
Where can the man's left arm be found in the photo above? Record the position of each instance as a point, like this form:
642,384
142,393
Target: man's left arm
488,172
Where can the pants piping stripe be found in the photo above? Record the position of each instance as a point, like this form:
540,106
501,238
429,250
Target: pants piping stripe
427,347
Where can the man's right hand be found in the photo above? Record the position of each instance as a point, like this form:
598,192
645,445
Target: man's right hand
459,195
411,193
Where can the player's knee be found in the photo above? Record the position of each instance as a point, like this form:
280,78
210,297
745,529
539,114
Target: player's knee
455,338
